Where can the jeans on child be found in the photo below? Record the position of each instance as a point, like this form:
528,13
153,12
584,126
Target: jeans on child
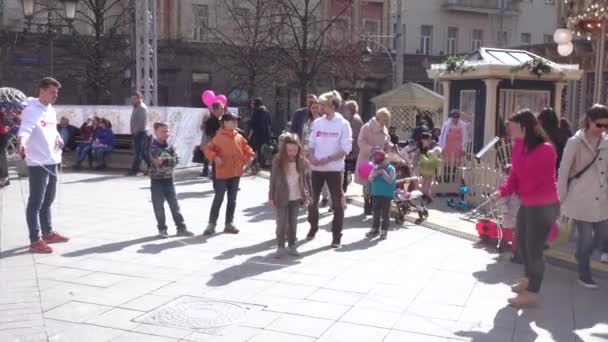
381,211
588,234
43,187
221,187
99,153
164,189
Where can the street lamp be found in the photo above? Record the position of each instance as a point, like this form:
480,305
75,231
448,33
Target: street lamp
52,25
368,52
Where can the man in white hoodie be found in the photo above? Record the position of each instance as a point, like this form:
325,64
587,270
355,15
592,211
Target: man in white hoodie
40,145
330,143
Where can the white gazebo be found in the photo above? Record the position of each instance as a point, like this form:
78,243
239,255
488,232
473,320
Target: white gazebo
488,85
409,100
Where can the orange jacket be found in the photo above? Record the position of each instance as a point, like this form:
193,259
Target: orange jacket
232,149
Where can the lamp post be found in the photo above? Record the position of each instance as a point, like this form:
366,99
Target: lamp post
368,52
52,25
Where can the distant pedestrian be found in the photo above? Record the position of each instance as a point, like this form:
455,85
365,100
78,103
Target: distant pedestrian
566,127
392,132
532,177
260,133
301,117
313,113
289,190
230,154
163,160
383,184
427,163
4,138
87,136
454,137
210,126
582,186
139,122
550,123
351,114
40,144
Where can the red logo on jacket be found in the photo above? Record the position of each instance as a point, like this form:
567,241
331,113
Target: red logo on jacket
328,134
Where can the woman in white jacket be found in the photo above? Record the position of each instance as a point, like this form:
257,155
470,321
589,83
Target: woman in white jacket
583,187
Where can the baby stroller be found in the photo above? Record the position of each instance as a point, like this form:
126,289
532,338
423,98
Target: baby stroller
489,225
407,198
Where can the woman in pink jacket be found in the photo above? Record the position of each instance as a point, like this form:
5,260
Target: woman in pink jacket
533,178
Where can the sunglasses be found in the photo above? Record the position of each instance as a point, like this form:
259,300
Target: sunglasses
598,125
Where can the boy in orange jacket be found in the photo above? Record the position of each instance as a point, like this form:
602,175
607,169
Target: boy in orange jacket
230,154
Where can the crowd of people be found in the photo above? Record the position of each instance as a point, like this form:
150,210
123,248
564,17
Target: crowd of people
549,171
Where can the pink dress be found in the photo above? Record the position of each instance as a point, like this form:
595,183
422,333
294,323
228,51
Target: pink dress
453,144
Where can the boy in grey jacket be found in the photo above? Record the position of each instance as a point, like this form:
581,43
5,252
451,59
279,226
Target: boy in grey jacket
163,160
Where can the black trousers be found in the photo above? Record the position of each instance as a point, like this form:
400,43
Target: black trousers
381,210
533,226
221,187
333,179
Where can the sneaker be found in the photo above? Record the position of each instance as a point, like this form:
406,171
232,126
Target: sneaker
281,252
335,242
604,258
53,237
588,283
184,232
40,247
210,229
525,299
231,229
293,251
163,234
383,234
372,233
521,285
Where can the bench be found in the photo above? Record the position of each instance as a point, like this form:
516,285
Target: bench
120,158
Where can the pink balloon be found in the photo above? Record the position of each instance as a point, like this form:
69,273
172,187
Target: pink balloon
222,99
365,169
208,97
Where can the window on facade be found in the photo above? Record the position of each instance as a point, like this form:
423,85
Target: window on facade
548,38
200,22
426,39
477,39
452,40
526,38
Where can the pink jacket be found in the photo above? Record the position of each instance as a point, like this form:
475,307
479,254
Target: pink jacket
532,175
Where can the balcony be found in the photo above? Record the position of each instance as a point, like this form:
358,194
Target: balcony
483,6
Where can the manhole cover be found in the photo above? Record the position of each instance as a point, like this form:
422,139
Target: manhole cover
197,314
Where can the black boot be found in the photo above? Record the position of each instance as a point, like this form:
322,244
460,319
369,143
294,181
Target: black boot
336,241
367,206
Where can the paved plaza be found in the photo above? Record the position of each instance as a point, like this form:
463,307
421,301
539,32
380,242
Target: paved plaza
115,281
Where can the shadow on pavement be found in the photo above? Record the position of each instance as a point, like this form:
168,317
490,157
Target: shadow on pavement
360,245
110,247
14,252
257,265
95,179
253,249
194,194
160,247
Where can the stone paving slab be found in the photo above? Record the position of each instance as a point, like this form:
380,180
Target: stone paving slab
419,285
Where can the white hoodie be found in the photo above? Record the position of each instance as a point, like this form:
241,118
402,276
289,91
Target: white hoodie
39,126
328,137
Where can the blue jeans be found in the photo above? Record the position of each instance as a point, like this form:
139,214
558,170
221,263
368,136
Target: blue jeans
221,187
164,189
81,152
589,234
43,187
99,154
139,140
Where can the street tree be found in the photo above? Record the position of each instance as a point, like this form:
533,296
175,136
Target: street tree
309,40
244,36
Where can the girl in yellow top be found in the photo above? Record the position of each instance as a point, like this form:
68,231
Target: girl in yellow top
428,163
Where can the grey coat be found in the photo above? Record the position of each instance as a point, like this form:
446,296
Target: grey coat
139,118
278,189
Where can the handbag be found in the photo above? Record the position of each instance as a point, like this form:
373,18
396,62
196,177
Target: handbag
198,157
583,170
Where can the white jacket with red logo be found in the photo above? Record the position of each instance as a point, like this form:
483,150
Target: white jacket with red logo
328,137
39,124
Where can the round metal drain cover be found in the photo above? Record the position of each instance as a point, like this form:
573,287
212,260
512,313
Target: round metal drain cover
201,314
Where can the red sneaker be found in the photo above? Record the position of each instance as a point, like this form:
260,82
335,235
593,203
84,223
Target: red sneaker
40,247
54,238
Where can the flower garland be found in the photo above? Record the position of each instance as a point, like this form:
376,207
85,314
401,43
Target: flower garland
535,66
